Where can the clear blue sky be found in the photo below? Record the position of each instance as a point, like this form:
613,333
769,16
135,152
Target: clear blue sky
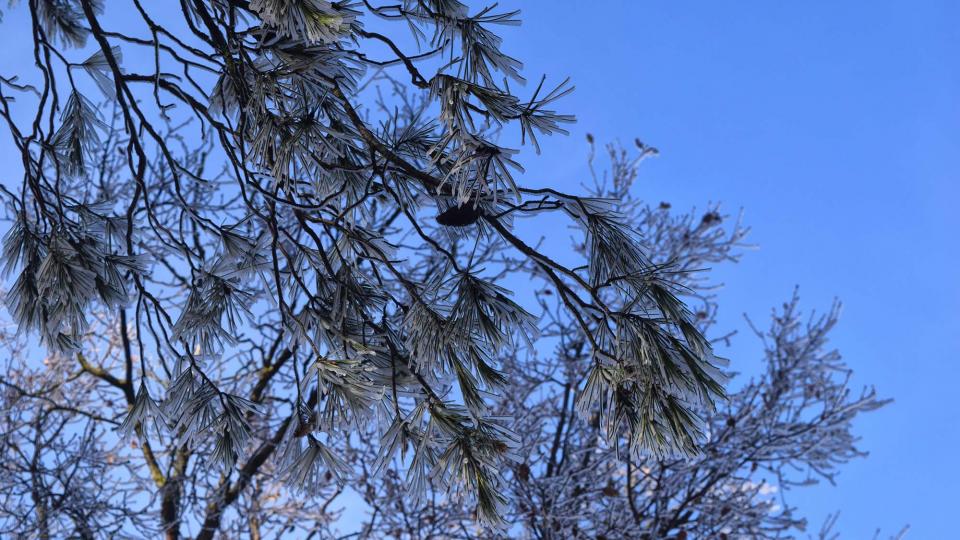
836,126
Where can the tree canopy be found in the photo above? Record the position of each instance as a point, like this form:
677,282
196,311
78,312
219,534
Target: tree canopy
272,251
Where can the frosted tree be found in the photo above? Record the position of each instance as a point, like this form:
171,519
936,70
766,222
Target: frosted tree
264,250
790,426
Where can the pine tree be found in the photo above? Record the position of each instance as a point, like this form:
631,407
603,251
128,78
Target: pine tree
272,265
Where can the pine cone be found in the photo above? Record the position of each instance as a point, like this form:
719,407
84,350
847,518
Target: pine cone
460,216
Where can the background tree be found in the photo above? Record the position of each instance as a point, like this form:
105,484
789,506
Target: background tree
270,261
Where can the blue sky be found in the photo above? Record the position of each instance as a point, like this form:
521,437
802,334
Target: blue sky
836,126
